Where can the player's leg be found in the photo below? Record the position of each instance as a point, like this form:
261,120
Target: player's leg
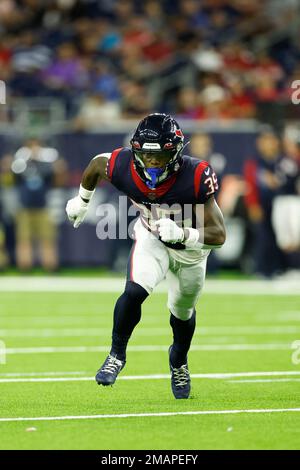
127,314
185,284
147,266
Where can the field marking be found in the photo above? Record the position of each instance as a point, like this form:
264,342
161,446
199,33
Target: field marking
148,331
34,374
263,380
153,377
212,286
47,379
146,415
149,348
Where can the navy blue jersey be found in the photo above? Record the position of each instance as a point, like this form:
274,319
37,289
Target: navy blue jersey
288,172
194,183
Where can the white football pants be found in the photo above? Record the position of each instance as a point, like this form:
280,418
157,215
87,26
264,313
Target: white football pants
151,262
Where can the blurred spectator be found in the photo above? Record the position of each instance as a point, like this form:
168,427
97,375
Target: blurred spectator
220,29
207,59
135,100
3,254
201,147
133,64
5,51
187,104
215,104
105,82
237,57
36,168
265,90
66,76
242,103
6,179
154,11
96,112
66,70
265,65
262,185
282,15
29,55
28,59
286,207
8,207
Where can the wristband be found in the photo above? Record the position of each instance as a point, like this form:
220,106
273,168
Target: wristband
193,241
193,238
85,194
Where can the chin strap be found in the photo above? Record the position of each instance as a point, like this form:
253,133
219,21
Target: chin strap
154,174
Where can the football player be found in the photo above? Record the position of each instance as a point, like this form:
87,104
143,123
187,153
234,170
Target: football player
162,182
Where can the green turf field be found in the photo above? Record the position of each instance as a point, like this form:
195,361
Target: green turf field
245,392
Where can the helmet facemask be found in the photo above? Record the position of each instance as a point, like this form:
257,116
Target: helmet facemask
157,134
153,176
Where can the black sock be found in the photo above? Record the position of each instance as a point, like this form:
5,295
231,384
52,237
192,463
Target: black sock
127,314
183,332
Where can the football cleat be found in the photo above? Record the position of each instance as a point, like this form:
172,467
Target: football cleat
180,380
109,371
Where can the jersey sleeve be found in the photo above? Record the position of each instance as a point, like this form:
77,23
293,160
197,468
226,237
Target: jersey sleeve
111,164
205,182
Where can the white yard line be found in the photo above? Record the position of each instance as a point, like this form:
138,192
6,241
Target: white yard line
46,374
145,331
227,375
148,415
47,379
249,381
149,348
74,284
286,316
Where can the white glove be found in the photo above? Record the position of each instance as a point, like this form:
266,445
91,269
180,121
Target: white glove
76,208
169,231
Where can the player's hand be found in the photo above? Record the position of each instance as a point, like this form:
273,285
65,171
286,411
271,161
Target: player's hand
169,231
76,210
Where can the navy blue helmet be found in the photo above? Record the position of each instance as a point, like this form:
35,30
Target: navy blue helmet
160,135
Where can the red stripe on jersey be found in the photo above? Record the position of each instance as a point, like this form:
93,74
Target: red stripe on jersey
197,176
157,192
112,162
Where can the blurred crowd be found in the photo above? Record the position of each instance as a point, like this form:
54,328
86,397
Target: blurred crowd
107,59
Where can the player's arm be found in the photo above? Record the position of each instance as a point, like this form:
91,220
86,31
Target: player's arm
94,173
210,225
210,232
